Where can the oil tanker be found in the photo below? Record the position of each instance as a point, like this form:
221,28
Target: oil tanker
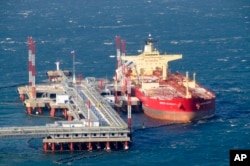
164,95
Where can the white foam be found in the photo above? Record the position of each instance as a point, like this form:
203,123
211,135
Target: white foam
187,41
114,27
9,49
233,125
231,90
174,42
108,43
222,60
77,63
217,39
201,121
237,37
235,89
25,14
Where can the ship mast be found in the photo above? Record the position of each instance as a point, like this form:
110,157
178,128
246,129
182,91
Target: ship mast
118,64
123,43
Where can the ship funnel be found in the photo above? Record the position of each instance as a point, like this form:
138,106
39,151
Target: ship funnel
57,66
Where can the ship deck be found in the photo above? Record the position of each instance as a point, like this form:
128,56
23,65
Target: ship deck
176,86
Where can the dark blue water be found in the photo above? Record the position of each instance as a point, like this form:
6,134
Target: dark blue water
213,37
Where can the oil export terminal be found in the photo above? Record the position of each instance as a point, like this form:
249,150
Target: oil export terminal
88,105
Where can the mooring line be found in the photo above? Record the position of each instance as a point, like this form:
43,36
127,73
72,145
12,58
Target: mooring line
152,127
43,116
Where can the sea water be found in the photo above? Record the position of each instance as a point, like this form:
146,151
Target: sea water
213,37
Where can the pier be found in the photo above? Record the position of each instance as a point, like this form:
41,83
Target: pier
89,118
90,121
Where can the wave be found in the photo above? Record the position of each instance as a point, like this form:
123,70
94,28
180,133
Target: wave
112,56
234,89
224,39
222,59
25,13
186,41
9,49
115,27
182,41
216,40
108,43
174,42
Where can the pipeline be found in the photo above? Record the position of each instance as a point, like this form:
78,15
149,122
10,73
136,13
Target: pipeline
32,146
80,156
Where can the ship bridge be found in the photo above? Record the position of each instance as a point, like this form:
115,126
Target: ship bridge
150,60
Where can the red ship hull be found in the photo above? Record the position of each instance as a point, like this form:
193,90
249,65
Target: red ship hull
176,109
